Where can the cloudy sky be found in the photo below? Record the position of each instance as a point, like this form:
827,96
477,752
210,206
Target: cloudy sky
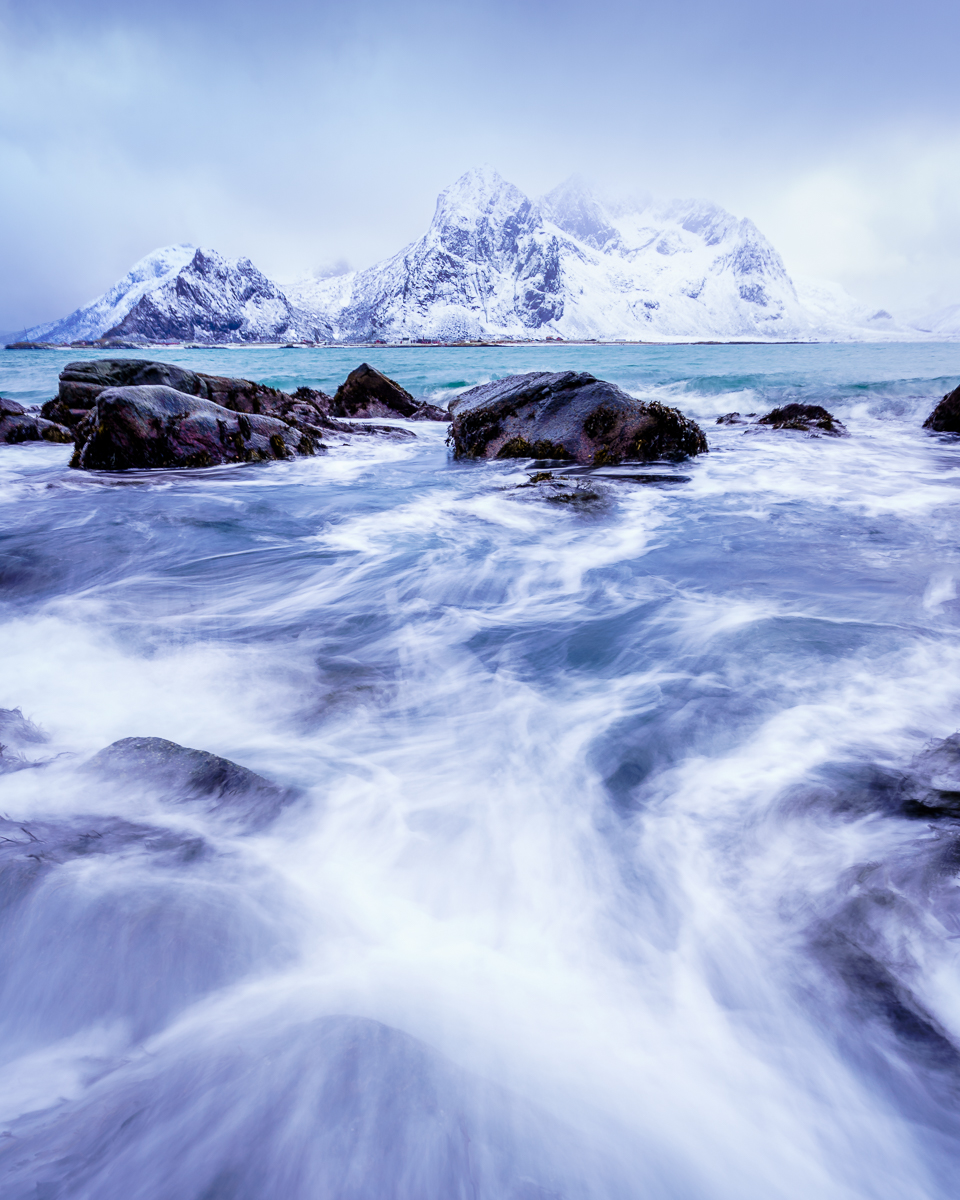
305,133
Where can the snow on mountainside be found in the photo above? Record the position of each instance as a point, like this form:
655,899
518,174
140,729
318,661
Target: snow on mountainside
494,264
942,322
185,294
93,319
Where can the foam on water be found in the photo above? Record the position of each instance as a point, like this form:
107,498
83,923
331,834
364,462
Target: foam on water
593,887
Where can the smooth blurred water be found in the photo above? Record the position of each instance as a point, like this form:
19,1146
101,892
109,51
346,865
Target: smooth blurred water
591,890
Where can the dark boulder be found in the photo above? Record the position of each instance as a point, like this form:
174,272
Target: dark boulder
945,418
154,426
17,425
568,415
368,393
809,418
180,775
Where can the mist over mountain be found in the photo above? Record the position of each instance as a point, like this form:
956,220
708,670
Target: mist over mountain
496,264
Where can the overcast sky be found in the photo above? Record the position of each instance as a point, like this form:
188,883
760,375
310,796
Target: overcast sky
307,133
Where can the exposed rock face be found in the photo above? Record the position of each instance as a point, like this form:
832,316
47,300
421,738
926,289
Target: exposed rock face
568,415
18,425
156,426
178,774
810,418
945,418
368,393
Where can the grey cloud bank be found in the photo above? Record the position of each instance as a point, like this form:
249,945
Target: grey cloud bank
304,135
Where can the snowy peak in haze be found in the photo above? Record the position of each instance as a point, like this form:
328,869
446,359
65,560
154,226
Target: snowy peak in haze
93,319
495,264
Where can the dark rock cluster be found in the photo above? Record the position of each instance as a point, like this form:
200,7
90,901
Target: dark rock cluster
18,425
126,412
806,418
569,416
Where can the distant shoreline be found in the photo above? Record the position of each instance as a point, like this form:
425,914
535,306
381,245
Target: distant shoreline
550,345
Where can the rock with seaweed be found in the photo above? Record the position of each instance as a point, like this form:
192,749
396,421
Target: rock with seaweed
945,418
18,425
569,416
808,418
152,426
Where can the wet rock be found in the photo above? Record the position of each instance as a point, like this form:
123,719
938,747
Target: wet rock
17,425
931,788
308,409
154,426
568,416
734,418
368,393
945,418
809,418
182,775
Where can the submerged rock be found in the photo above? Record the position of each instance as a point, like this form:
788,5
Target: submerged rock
932,787
150,427
366,392
180,774
570,416
17,425
16,731
945,418
810,418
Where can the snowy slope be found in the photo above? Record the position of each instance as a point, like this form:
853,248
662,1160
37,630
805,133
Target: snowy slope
181,293
217,300
93,319
942,322
495,264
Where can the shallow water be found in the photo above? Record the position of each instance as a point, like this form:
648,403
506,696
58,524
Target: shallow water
593,887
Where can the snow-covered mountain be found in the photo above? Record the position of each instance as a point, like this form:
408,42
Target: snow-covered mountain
495,264
181,293
94,319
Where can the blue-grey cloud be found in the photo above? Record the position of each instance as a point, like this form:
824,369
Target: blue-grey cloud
307,133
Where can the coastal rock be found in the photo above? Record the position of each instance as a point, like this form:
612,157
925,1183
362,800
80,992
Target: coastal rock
179,774
810,418
945,418
18,425
307,410
366,392
571,416
932,787
156,426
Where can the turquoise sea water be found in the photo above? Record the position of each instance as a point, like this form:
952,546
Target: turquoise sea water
599,882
